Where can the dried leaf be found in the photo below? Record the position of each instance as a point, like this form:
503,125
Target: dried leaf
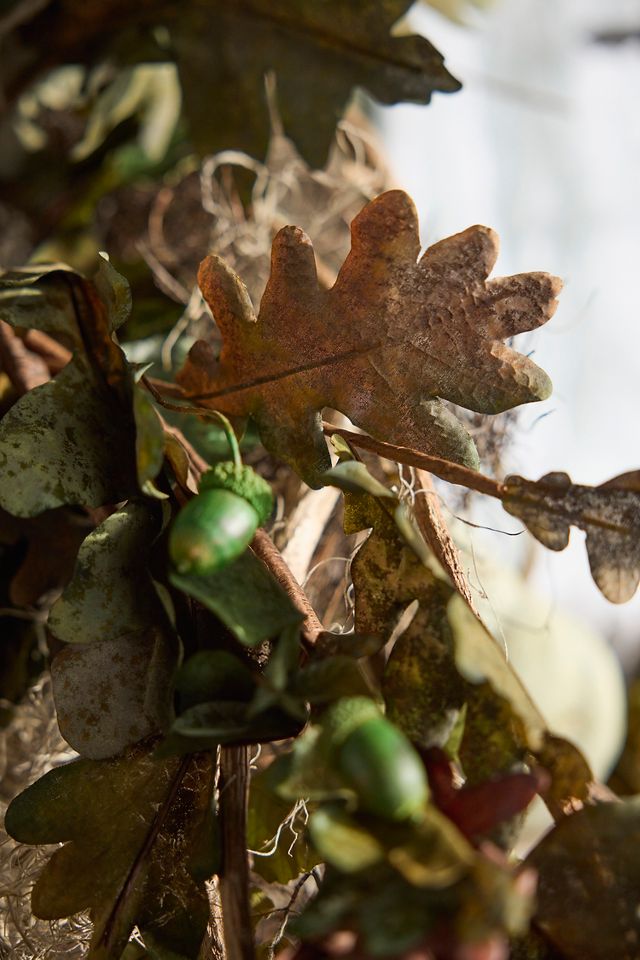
319,53
383,345
42,572
608,514
131,826
589,876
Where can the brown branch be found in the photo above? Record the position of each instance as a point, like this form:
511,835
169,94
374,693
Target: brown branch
53,353
445,469
264,548
234,875
433,528
25,369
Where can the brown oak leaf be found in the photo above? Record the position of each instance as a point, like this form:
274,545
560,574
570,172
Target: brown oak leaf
608,514
393,336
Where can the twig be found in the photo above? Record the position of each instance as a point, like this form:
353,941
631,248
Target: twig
445,469
433,528
234,876
25,369
53,353
286,914
264,548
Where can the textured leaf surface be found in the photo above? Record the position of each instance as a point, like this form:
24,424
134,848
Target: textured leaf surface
445,662
62,443
608,514
113,693
589,875
112,684
131,827
111,592
383,345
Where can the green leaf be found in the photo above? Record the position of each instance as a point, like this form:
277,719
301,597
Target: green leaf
326,680
149,442
130,826
276,834
245,597
588,880
207,725
213,675
353,476
65,442
342,841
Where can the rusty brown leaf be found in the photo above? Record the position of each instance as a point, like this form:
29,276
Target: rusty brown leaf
393,337
608,514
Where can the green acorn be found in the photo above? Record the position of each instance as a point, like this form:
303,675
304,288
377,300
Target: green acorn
218,524
376,759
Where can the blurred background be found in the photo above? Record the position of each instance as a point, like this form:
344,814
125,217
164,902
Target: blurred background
543,144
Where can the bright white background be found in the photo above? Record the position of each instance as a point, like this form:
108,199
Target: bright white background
543,144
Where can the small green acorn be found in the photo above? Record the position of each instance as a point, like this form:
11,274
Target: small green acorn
376,759
218,524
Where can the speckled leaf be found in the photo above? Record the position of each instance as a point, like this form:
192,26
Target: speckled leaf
391,338
608,514
111,593
245,597
111,694
445,660
65,442
589,877
130,828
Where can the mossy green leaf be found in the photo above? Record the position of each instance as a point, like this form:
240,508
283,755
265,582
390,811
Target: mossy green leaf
130,826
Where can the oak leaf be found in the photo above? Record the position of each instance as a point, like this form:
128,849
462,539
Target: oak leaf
391,338
135,831
608,514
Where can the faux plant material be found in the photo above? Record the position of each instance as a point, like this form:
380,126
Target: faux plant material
383,345
225,49
608,514
50,456
589,875
447,683
132,828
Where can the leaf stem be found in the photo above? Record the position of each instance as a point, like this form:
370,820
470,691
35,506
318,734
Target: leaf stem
445,469
212,415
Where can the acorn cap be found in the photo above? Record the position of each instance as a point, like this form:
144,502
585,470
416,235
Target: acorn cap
244,482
